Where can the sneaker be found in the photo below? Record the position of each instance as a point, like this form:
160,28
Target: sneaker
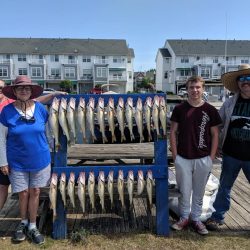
199,227
35,236
212,225
20,233
181,224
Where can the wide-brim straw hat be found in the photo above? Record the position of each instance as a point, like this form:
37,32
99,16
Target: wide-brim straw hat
37,90
229,79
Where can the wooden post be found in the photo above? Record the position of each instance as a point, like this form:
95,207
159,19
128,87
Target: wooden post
162,212
60,223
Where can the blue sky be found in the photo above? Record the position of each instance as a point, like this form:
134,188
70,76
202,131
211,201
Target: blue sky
145,24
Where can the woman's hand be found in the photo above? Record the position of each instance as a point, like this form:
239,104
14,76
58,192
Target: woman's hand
5,170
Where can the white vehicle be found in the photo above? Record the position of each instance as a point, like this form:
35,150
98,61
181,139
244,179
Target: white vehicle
182,92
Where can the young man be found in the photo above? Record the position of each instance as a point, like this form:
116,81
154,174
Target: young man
194,141
4,179
235,140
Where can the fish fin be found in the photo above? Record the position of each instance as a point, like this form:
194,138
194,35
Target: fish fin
57,147
123,138
113,138
84,140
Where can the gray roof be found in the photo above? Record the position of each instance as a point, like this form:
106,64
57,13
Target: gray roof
210,47
47,46
165,52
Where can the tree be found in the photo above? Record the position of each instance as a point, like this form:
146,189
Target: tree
66,85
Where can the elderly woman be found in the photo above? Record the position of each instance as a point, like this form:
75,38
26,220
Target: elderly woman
24,152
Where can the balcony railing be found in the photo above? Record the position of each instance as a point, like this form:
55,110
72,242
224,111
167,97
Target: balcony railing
36,61
117,78
54,77
101,61
4,61
182,78
86,78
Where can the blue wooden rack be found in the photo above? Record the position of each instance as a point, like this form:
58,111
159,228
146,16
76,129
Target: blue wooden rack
159,170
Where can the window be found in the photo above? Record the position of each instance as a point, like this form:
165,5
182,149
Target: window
87,74
101,72
244,60
54,58
86,58
55,72
215,72
117,76
22,71
21,58
70,72
4,71
36,71
71,59
166,75
205,72
197,58
102,59
184,59
129,60
167,60
117,59
185,72
216,59
129,74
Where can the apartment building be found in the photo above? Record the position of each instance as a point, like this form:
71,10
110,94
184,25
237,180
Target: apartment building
85,62
180,59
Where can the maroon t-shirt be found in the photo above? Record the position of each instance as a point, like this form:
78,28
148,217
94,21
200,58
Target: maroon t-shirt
194,123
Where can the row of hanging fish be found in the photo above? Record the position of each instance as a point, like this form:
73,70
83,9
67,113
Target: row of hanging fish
69,188
153,113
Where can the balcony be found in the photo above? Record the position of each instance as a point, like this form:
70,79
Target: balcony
5,61
54,77
118,78
87,78
101,61
69,61
182,78
36,61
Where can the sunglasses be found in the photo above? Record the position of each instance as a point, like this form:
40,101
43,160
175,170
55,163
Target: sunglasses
24,119
23,88
244,78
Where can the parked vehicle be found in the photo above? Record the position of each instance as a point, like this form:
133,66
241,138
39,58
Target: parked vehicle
182,92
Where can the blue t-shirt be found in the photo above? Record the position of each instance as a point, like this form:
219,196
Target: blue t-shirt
27,147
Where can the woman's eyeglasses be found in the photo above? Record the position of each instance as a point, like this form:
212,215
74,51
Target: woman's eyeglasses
244,78
30,120
21,88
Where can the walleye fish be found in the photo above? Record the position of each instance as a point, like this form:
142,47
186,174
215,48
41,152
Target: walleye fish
63,119
130,186
129,116
100,118
91,117
155,114
62,188
71,188
120,186
120,117
81,190
53,122
140,182
71,117
81,118
101,191
147,113
149,184
111,187
91,190
163,115
53,194
111,118
138,118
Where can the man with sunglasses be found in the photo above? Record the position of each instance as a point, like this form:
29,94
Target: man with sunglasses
235,140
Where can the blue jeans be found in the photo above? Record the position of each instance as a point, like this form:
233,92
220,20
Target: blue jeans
230,170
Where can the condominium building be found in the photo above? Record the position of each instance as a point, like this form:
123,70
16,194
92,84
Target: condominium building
179,59
85,62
